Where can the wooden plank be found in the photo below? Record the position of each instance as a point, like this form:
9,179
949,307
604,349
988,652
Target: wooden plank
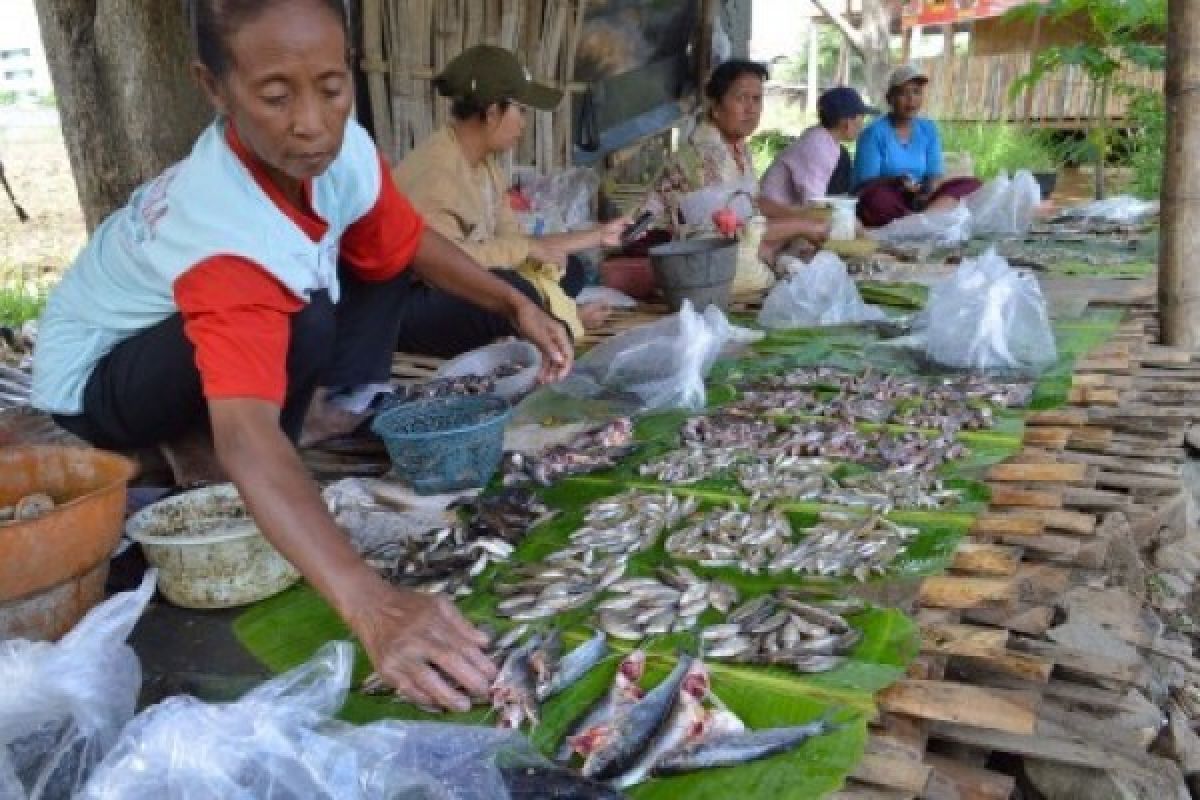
1007,525
892,772
1099,499
1059,418
1009,710
1038,473
1047,543
970,782
1137,466
1090,437
1054,438
1081,661
1084,396
1003,495
956,639
1064,750
986,559
858,791
1033,621
1154,483
951,591
1057,519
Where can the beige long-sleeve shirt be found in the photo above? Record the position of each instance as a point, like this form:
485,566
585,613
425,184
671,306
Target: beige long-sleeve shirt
467,205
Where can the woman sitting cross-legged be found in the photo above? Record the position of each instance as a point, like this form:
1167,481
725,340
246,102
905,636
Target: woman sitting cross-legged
898,162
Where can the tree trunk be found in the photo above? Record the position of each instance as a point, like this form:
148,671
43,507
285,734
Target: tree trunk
877,46
1179,272
129,108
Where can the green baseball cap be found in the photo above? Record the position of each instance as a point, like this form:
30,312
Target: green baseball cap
492,74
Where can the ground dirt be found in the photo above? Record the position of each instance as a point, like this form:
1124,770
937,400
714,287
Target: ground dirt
36,165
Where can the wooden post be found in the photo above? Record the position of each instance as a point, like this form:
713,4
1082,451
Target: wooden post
906,49
946,80
814,68
1179,275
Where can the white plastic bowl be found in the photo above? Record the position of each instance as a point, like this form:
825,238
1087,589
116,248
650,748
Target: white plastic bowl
208,551
482,361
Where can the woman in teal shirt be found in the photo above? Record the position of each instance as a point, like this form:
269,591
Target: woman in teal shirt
898,161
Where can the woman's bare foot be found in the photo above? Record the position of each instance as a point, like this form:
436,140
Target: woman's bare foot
193,460
593,315
326,421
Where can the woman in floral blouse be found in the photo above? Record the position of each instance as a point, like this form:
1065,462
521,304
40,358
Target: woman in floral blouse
714,168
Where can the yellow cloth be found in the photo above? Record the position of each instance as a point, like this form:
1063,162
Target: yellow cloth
468,206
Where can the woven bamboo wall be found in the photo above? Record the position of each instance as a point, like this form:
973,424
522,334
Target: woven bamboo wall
407,42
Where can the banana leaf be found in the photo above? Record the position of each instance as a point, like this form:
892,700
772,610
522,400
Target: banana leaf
895,295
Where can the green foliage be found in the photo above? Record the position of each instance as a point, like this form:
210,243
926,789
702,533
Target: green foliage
1148,141
765,146
997,148
17,306
8,98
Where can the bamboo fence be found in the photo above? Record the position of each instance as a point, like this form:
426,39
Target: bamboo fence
407,42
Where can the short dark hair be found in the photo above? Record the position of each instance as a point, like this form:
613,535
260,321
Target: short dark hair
727,73
465,108
212,22
827,118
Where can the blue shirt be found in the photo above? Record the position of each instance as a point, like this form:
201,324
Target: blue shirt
881,155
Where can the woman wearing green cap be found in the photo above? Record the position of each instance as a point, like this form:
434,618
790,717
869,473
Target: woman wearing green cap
455,180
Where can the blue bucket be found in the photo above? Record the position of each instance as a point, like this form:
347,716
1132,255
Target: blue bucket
445,444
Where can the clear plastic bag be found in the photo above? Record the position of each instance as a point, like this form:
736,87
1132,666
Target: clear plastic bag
943,228
1005,207
62,705
280,742
560,202
661,365
817,294
1120,210
609,297
988,315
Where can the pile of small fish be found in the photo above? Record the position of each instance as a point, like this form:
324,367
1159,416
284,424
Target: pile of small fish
781,629
884,449
694,463
747,540
888,386
944,413
462,385
27,509
728,430
795,478
670,603
678,726
591,451
614,530
845,545
447,559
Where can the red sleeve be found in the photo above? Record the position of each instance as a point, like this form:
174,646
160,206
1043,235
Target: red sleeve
238,318
382,244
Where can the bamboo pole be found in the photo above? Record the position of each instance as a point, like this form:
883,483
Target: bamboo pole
1179,277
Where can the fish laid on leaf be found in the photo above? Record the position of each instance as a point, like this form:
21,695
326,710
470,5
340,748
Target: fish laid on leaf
671,602
745,540
943,412
624,692
782,629
679,726
446,560
811,479
845,546
595,558
892,386
694,463
592,451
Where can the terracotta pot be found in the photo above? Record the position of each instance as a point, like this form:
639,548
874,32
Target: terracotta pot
50,613
88,487
629,274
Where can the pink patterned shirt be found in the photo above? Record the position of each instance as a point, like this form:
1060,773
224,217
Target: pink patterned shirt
801,173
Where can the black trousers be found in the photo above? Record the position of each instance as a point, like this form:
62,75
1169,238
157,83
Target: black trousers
148,390
435,323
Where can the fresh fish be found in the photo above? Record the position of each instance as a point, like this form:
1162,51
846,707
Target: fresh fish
553,783
512,691
624,692
573,667
628,734
688,715
731,749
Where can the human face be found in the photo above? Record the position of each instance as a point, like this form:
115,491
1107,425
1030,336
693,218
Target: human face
504,129
288,91
848,129
738,113
907,99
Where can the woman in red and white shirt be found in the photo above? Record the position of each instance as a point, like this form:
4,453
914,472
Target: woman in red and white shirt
261,271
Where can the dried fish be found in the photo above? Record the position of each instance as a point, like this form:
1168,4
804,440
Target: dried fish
748,540
672,603
812,480
591,451
448,559
694,463
595,560
781,629
891,386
